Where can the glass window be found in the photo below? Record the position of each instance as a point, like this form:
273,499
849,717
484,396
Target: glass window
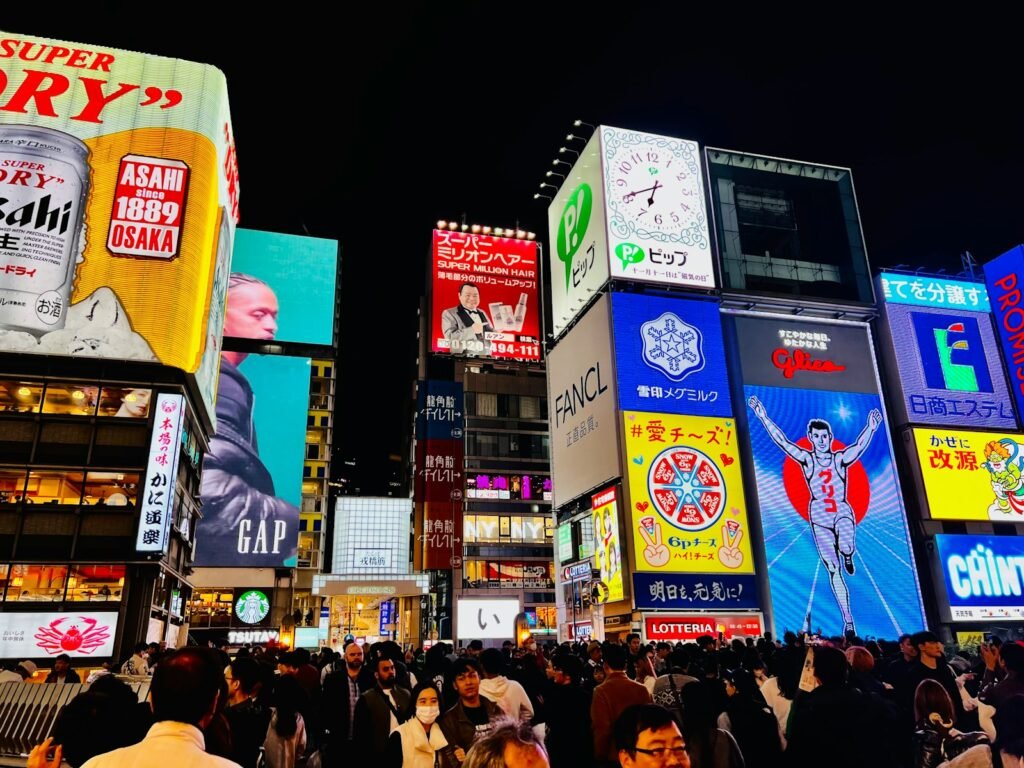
486,404
105,533
71,399
54,487
64,442
16,438
529,407
125,402
20,396
114,489
12,485
210,609
37,583
121,444
95,583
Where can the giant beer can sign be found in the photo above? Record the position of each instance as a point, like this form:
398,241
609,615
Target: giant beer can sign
118,204
45,178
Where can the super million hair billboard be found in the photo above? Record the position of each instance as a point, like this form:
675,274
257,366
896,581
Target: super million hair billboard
119,191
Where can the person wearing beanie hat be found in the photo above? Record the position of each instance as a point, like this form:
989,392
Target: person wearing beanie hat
26,669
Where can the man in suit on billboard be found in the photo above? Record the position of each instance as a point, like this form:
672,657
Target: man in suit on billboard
465,326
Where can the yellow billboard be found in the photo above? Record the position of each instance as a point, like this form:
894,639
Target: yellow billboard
971,475
688,513
118,202
607,542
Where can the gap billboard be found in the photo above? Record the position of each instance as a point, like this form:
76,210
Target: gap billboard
252,472
835,530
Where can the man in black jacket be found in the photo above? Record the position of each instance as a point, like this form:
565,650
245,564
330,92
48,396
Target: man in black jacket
567,713
472,715
380,711
342,691
247,717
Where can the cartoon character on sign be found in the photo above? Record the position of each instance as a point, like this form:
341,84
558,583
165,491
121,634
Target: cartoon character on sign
829,469
55,638
1004,465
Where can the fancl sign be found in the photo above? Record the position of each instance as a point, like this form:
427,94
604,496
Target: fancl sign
984,576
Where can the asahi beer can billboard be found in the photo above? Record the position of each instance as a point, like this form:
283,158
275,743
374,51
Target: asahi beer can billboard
118,190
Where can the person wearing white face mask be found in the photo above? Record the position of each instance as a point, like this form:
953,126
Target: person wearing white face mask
419,742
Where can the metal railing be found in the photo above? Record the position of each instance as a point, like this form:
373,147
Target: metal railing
29,710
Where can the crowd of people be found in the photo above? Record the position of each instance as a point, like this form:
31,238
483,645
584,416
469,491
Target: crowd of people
707,704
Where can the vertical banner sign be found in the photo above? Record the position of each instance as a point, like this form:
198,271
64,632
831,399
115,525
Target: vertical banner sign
577,232
670,356
486,296
972,475
120,189
835,530
688,512
657,216
387,617
607,542
1004,276
157,499
944,360
440,461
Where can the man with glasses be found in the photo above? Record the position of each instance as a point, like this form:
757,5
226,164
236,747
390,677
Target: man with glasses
647,735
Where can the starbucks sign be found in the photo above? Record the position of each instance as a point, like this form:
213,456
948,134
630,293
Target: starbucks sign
252,606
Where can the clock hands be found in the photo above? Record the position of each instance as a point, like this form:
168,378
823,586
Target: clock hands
629,196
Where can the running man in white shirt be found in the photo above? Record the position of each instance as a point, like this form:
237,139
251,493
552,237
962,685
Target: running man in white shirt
832,520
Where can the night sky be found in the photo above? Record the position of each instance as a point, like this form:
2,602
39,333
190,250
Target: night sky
369,123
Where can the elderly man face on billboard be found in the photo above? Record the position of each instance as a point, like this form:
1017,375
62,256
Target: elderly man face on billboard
244,521
465,325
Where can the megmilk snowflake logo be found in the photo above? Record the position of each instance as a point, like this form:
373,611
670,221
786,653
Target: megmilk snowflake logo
672,346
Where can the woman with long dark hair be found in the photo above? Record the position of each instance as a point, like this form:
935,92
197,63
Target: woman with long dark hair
708,745
286,737
749,719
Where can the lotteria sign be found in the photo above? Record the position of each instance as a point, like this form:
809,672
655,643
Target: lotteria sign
685,627
984,576
577,571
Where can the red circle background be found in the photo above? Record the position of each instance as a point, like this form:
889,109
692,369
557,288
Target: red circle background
858,489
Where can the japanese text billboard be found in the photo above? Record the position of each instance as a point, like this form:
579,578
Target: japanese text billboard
119,188
688,514
835,530
945,363
935,292
1004,277
983,575
440,480
972,475
252,473
493,619
657,215
578,237
689,592
669,355
485,296
582,407
156,507
282,288
607,542
79,635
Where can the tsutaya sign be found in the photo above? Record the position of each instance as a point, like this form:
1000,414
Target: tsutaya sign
242,636
984,576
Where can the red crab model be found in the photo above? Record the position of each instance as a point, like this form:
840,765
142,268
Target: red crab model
54,639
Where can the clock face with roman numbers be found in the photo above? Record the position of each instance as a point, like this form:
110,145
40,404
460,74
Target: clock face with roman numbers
653,186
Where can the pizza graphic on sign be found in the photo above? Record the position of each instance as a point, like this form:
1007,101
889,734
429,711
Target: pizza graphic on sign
687,488
70,634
